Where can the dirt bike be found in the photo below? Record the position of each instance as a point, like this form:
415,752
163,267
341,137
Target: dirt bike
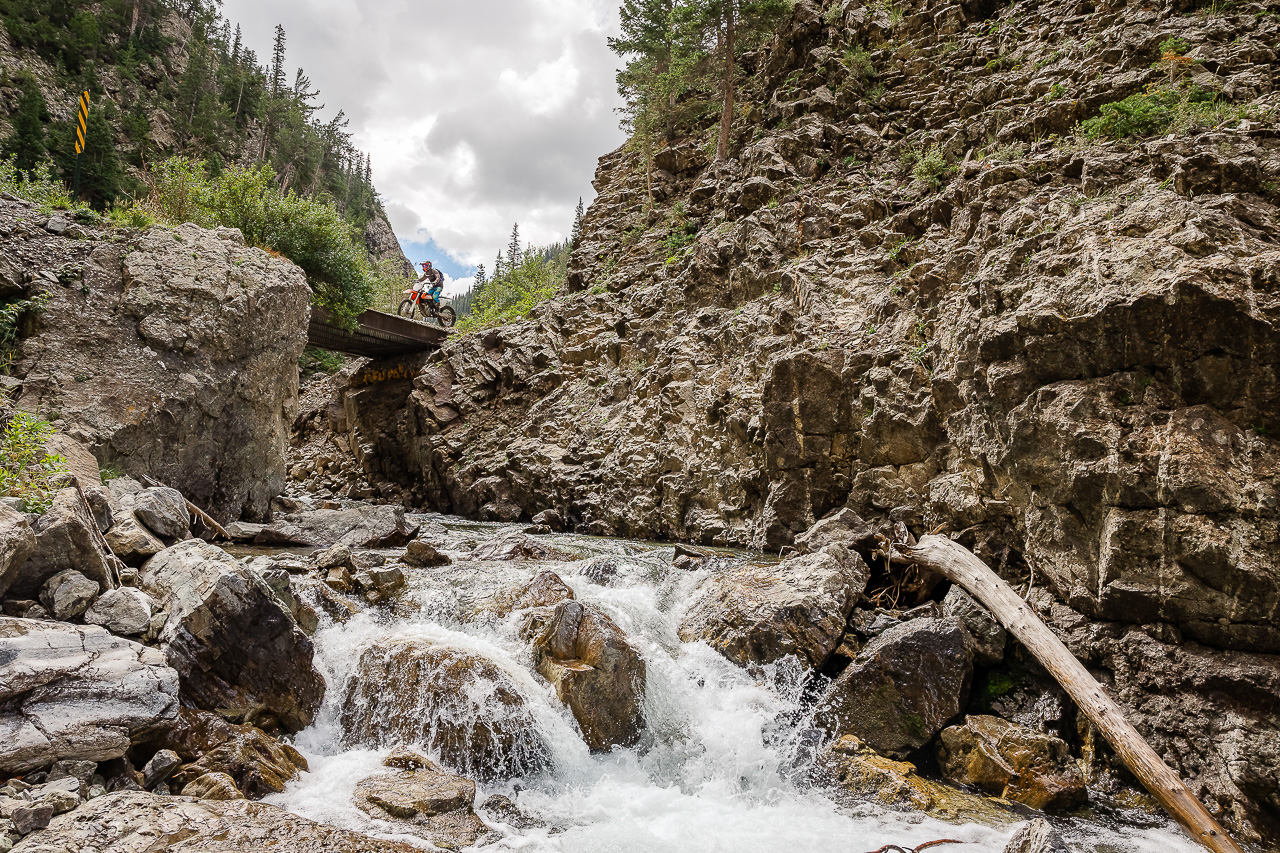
419,302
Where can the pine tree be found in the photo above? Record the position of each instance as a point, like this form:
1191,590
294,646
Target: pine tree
513,248
277,62
479,278
577,225
26,143
100,173
498,270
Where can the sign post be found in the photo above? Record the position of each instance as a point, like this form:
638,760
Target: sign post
82,122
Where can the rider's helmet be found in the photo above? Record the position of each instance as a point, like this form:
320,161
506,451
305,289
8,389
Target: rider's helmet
426,265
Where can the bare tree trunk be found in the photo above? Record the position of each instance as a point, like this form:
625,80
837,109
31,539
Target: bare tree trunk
137,10
960,566
726,117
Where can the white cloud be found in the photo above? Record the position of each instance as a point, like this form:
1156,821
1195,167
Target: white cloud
476,114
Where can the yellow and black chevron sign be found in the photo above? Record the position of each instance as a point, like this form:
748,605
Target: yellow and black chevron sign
82,121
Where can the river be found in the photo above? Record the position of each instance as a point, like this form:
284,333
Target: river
720,767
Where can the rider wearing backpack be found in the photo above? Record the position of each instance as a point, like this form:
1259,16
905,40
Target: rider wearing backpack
436,280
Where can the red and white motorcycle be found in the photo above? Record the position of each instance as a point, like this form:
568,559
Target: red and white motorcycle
418,302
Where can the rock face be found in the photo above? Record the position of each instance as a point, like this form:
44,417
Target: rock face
1009,761
759,613
177,379
903,688
451,702
77,692
138,822
595,671
234,642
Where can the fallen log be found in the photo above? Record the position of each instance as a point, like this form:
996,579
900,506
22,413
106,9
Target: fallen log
204,517
960,566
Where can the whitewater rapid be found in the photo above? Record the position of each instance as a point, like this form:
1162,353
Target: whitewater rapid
721,765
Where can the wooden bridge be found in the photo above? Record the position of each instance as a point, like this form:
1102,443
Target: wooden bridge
376,335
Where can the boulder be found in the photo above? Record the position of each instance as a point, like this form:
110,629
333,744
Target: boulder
236,645
423,555
1037,836
17,542
987,634
755,613
902,688
842,527
436,804
1007,760
855,774
78,459
68,594
133,543
517,546
380,584
333,557
77,692
453,702
160,767
135,821
212,786
164,512
545,589
596,672
67,537
99,499
256,763
123,611
364,526
550,519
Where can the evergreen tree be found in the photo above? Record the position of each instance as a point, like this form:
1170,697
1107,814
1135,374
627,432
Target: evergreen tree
26,143
480,277
277,62
497,267
513,248
577,225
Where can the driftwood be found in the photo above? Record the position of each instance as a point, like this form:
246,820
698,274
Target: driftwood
960,566
196,511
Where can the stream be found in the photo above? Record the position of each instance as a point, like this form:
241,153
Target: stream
720,768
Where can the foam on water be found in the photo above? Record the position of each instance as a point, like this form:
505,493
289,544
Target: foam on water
716,770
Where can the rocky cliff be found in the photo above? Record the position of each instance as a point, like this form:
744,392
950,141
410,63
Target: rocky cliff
167,352
918,291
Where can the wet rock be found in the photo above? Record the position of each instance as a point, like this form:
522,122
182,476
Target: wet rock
758,614
596,672
454,702
164,512
234,642
363,526
132,542
502,810
517,546
423,555
438,805
543,590
903,688
116,821
67,537
1037,836
688,559
550,519
212,786
68,594
988,636
857,774
602,570
256,763
380,584
1009,761
160,767
17,542
404,758
333,557
77,692
281,583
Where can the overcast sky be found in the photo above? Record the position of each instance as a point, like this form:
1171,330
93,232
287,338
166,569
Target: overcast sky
477,113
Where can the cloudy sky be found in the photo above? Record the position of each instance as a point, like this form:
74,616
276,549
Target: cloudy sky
477,113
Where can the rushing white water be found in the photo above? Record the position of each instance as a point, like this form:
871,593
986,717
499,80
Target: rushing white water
719,766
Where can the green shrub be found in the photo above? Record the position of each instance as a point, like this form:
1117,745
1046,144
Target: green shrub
1158,110
316,360
309,232
858,61
931,167
538,276
26,471
11,314
41,186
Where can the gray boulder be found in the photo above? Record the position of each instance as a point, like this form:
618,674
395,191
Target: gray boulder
78,693
68,594
987,634
17,542
1037,836
67,537
123,611
164,512
903,688
517,546
234,642
842,527
365,526
132,542
757,614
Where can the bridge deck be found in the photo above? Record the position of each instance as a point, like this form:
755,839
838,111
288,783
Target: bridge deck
377,335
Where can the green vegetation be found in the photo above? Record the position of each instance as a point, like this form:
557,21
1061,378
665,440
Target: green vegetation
1160,109
39,185
26,471
526,278
224,105
858,61
307,231
315,360
11,315
931,167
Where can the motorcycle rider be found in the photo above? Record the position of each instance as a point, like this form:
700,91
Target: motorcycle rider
436,280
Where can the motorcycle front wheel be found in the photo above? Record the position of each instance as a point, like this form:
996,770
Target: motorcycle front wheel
447,317
407,308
